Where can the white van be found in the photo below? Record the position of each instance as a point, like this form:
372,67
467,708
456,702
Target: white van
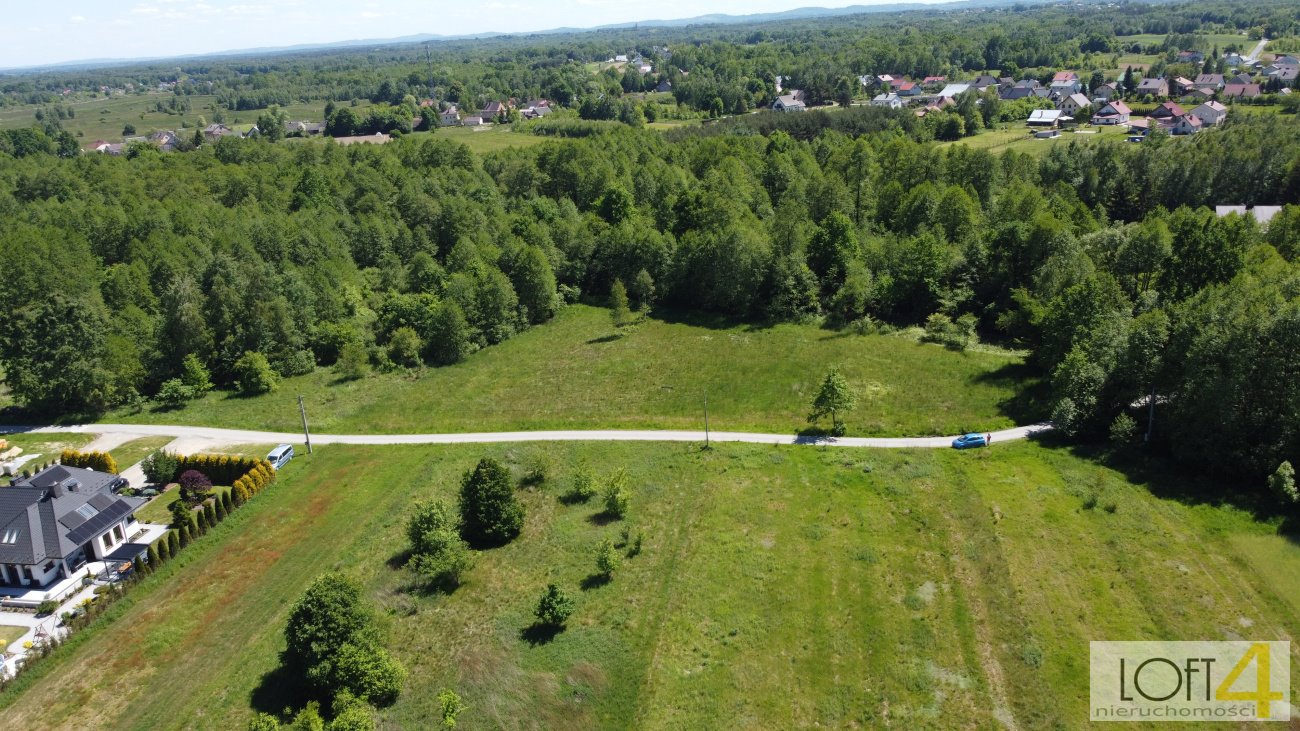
280,456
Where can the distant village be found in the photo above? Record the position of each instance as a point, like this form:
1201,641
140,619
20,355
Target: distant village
1183,106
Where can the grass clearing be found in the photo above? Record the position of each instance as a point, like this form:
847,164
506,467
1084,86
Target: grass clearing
137,449
10,633
1021,139
47,446
570,374
483,140
778,587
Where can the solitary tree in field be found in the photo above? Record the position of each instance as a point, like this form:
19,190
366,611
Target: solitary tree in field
833,397
490,514
619,312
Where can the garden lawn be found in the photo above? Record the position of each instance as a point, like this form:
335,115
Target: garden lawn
47,446
9,633
777,587
571,374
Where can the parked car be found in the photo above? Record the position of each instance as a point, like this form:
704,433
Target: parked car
967,441
280,456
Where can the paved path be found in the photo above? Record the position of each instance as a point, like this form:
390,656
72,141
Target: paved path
198,438
1254,55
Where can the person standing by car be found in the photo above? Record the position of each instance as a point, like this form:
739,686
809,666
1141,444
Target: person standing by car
988,439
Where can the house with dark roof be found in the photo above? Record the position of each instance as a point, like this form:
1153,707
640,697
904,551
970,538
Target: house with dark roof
1153,87
1214,81
492,110
1191,57
54,522
1168,110
214,132
1186,125
1241,91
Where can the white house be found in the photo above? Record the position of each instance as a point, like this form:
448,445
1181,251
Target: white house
1211,114
1116,112
54,522
887,100
1046,117
788,103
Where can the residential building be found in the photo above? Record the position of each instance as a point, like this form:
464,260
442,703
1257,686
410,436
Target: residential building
1073,104
1047,118
908,88
887,100
1168,110
492,110
1181,85
933,82
1241,91
214,132
1116,112
789,103
54,522
983,82
1106,92
952,91
1199,95
1186,125
1211,114
1153,87
1191,57
664,86
1214,81
449,117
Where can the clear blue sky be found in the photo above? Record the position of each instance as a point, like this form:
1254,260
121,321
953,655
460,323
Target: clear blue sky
67,30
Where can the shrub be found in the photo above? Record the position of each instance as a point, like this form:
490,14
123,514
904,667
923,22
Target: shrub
173,542
1122,430
184,532
195,486
173,393
210,515
226,504
404,347
263,722
160,467
438,553
583,483
47,607
617,495
450,707
368,672
154,558
180,512
254,375
240,493
195,376
490,513
554,607
607,560
164,549
1282,483
353,362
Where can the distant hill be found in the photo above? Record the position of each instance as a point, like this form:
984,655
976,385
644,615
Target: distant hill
714,19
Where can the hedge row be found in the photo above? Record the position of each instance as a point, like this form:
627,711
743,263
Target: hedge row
101,461
223,469
253,482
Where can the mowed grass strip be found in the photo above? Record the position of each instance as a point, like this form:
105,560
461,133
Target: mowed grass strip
777,587
568,374
137,449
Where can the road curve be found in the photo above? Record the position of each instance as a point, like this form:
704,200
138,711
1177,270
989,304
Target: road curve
238,436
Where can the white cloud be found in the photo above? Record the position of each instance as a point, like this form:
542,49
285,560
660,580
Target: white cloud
144,10
78,18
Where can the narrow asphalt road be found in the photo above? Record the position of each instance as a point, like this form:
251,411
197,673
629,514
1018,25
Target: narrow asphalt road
1259,48
197,435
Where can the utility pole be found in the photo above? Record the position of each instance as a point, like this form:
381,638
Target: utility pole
306,434
706,418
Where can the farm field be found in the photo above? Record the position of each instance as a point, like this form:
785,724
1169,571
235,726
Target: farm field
570,374
777,587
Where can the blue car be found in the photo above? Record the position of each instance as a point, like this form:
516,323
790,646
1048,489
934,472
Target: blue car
966,441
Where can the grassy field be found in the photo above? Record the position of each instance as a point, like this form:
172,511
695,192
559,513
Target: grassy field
778,587
569,374
1021,139
1206,42
483,140
104,118
137,449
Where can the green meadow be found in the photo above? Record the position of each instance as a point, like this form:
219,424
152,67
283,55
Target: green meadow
572,373
777,587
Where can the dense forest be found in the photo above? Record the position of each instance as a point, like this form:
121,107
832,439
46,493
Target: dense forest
244,261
